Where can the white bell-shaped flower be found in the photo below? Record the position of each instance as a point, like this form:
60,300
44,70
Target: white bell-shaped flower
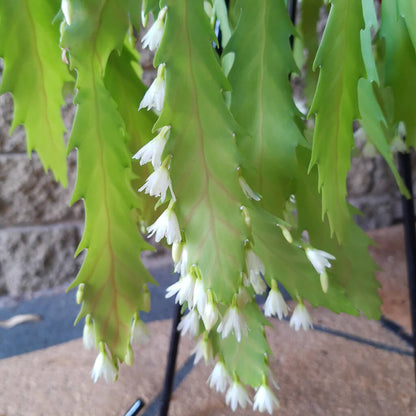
210,313
219,378
104,367
265,400
181,266
166,225
275,305
319,259
153,150
237,396
301,318
139,332
189,324
153,37
158,182
155,95
233,320
88,335
183,289
255,268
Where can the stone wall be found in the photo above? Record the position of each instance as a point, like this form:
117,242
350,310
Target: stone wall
39,232
373,190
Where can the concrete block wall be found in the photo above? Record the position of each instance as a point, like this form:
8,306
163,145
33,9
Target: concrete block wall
373,190
39,232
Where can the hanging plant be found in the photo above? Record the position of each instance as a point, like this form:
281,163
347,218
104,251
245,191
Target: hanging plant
215,159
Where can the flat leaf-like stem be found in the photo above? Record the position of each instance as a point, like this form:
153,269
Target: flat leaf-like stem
340,63
115,279
35,75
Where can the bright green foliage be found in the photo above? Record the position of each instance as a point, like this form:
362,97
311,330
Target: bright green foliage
372,118
336,106
280,257
231,140
352,258
113,274
399,54
35,75
375,124
261,95
204,167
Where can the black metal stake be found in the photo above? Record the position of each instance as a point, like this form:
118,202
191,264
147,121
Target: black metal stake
171,364
135,408
405,169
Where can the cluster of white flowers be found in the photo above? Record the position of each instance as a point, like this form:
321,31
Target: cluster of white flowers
237,395
275,305
158,183
190,288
